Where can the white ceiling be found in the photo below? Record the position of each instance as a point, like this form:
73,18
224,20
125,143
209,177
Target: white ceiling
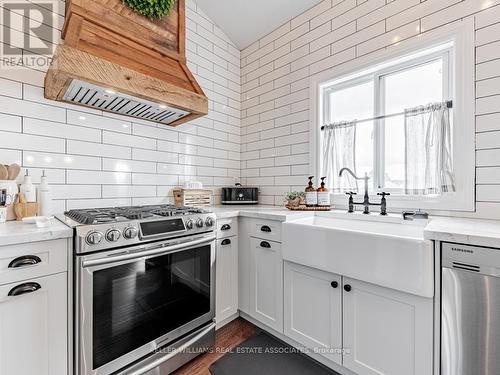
245,22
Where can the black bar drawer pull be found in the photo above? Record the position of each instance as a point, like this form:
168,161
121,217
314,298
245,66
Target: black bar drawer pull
265,228
24,288
265,244
226,242
225,227
25,260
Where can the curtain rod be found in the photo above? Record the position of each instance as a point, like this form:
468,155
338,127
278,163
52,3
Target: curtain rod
449,104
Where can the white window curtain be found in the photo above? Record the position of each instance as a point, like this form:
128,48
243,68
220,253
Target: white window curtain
428,153
339,140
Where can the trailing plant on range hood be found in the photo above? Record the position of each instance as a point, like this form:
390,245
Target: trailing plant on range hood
151,8
117,60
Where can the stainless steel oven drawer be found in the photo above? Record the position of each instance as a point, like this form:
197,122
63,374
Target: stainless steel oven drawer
170,358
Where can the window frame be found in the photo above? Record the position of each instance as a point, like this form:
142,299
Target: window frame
460,62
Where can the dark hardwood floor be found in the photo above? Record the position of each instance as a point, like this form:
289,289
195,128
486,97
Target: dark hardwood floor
226,338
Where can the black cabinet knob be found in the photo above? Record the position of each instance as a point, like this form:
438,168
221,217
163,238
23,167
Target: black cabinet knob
226,242
265,228
225,227
334,284
347,288
265,245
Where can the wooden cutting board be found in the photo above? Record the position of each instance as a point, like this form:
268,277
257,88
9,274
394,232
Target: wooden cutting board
24,209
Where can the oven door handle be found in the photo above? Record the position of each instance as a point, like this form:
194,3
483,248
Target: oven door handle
157,362
148,251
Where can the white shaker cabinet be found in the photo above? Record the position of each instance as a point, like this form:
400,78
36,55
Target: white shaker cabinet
33,326
226,299
313,309
387,332
266,283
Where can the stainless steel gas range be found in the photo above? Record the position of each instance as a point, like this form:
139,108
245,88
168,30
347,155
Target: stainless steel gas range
144,288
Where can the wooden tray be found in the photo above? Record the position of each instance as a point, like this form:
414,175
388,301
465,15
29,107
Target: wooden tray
304,208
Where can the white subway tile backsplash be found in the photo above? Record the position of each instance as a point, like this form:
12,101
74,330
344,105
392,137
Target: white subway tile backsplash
10,123
31,142
275,143
159,156
124,191
11,88
120,165
61,161
75,191
98,122
19,107
98,159
11,156
60,130
128,140
98,149
154,179
258,125
98,177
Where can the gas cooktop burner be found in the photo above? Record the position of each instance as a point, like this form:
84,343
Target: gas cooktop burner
120,214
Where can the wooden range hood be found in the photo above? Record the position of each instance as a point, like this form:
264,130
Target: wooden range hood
115,60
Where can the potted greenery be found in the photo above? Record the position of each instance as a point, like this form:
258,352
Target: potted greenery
153,9
294,199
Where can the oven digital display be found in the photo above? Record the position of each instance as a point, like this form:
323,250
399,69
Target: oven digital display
154,228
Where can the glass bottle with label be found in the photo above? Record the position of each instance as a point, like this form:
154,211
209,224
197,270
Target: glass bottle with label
323,194
311,194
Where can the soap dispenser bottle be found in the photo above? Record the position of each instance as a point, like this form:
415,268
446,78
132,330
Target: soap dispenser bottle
323,194
311,194
44,197
28,188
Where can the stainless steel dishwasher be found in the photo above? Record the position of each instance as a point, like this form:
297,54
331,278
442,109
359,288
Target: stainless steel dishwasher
470,310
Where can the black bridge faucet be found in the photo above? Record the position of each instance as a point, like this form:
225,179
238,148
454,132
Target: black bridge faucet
366,199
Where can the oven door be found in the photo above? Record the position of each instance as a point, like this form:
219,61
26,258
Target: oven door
136,300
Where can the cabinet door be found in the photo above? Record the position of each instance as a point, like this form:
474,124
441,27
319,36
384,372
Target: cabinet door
386,331
33,327
226,297
313,309
266,283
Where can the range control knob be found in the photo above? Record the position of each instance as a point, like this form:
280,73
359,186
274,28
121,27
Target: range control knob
113,235
94,238
130,233
199,223
189,224
209,222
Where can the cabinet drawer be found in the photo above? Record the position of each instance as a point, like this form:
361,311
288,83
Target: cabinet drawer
30,260
227,227
266,229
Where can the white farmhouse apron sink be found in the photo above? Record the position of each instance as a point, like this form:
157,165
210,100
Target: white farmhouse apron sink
390,253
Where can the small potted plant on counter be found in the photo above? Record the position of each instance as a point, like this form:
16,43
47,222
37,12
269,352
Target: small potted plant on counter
294,199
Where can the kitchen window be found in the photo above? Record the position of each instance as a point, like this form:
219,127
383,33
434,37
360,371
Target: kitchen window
405,121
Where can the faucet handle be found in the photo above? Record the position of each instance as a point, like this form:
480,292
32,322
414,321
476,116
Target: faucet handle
384,194
351,193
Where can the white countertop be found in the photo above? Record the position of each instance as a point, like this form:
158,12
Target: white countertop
16,232
259,212
458,230
464,231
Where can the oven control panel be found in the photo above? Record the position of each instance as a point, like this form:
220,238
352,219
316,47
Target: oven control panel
107,236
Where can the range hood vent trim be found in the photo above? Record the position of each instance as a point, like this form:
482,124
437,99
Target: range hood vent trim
93,96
